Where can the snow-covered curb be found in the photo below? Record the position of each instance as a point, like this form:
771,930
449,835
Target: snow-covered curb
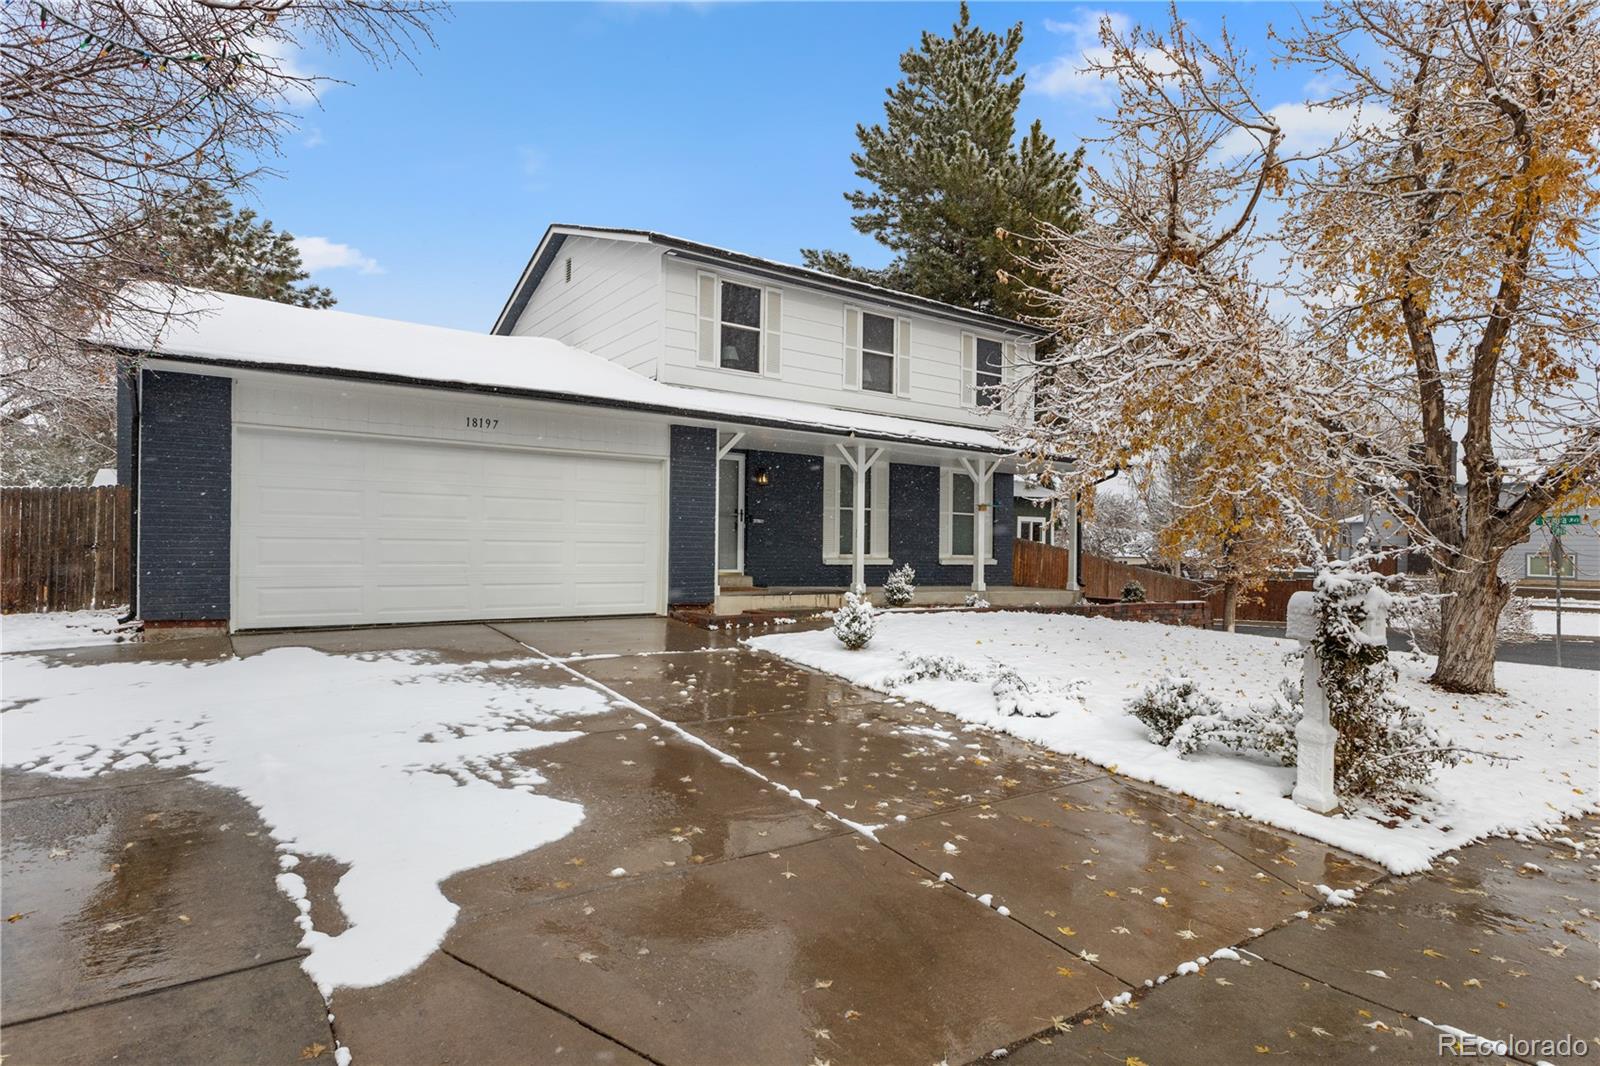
1546,722
63,629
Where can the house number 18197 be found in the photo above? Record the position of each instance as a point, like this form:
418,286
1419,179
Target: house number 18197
480,422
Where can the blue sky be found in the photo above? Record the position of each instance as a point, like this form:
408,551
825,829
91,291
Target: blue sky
727,123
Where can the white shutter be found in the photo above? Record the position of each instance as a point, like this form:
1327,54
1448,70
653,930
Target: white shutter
1008,363
852,348
706,313
830,507
969,370
772,334
880,507
902,359
944,512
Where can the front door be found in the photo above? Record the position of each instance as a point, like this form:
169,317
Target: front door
730,515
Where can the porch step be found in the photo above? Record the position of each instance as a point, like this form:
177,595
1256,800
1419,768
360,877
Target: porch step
735,581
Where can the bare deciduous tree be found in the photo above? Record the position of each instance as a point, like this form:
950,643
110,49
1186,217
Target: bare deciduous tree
112,105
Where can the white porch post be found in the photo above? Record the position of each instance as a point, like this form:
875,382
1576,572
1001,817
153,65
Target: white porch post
982,474
859,464
1072,544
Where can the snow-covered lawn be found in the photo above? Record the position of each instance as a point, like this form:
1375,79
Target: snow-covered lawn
62,629
395,764
1574,623
1546,722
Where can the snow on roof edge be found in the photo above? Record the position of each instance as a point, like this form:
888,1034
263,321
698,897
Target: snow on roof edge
246,333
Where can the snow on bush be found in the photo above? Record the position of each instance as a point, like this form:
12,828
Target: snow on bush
900,587
855,622
1418,613
1385,748
1167,703
1133,592
1014,694
974,600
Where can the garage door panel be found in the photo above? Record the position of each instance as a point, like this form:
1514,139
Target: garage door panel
298,551
299,501
428,532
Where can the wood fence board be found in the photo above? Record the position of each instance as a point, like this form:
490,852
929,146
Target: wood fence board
64,549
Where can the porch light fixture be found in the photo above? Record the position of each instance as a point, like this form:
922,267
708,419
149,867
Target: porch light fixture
762,478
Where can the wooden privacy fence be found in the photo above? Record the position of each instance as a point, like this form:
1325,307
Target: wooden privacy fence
1044,566
63,549
1038,566
1102,579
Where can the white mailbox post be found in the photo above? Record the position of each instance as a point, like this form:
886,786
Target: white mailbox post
1314,735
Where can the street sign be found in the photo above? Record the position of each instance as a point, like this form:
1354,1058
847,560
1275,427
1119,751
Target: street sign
1559,520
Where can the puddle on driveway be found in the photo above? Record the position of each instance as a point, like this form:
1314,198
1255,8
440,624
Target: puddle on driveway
126,889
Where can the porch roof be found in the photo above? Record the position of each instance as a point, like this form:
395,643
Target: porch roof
223,330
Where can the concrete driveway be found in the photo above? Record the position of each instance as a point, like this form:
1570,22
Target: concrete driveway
1008,894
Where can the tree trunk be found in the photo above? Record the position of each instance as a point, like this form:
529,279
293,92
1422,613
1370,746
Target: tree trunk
1230,604
1469,620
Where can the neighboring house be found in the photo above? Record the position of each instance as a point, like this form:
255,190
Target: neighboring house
651,418
1529,565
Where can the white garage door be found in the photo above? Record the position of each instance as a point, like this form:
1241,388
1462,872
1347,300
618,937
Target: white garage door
348,529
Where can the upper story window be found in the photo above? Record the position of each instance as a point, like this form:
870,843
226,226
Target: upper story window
983,371
989,370
877,353
739,325
740,348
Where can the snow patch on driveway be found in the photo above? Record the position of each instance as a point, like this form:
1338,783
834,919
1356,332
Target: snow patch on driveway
396,765
1547,721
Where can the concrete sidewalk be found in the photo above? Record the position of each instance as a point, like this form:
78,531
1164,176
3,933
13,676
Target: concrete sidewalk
1008,894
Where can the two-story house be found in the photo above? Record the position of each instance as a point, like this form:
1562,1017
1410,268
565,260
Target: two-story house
652,422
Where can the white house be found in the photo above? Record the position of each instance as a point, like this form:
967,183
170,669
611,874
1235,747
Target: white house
652,422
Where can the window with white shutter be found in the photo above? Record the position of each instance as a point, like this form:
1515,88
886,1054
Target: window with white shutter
838,513
772,336
706,316
902,360
852,348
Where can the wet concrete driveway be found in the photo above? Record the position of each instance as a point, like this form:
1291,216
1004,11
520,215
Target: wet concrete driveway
810,874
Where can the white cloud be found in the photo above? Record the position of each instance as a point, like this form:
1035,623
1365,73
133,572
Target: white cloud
1067,74
1306,129
319,253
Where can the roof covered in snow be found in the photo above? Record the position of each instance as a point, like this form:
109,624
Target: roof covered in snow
550,243
237,331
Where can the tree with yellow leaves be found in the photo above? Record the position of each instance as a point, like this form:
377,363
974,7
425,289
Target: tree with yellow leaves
1441,250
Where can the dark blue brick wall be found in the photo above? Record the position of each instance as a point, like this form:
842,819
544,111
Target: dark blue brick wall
124,423
783,530
691,518
185,483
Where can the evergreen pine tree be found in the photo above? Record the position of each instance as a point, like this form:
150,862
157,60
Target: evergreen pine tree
206,242
950,183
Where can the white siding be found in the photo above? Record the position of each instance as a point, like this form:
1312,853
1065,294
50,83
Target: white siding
611,307
813,353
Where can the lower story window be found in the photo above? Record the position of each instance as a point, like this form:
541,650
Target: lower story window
839,508
959,517
1033,528
1539,565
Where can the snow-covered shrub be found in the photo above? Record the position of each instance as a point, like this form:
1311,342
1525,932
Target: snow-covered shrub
1267,727
900,587
1419,614
1133,592
854,623
1013,693
1385,749
974,600
1167,703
